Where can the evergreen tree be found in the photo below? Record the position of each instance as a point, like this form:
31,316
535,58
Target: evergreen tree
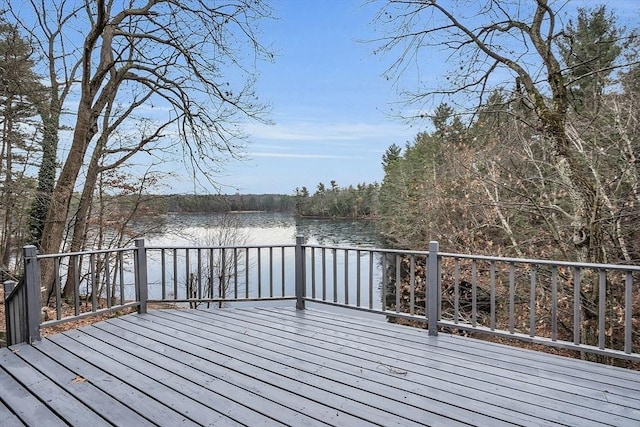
18,83
392,154
589,50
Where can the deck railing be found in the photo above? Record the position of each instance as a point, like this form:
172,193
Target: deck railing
83,284
592,308
206,276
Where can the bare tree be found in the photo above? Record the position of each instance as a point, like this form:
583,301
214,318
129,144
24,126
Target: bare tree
510,44
223,264
188,65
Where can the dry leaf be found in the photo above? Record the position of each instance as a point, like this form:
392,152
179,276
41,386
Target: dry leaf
78,379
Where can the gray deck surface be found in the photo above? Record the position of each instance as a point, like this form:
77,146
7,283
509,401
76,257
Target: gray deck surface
270,366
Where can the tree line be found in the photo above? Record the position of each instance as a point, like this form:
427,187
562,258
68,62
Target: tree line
337,202
190,203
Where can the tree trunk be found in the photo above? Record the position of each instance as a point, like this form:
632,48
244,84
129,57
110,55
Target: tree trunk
588,238
78,238
55,224
8,196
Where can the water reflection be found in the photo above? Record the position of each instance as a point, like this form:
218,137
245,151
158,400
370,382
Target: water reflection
338,232
263,228
342,276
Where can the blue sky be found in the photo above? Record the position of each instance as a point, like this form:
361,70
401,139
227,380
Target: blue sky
330,103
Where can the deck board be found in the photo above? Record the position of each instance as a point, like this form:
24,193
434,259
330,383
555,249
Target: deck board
23,405
266,368
131,350
479,367
138,392
43,387
9,419
272,366
519,363
62,371
385,373
545,405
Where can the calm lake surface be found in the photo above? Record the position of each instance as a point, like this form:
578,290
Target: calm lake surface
253,228
259,228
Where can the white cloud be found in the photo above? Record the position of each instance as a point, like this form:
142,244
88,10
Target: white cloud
295,155
327,131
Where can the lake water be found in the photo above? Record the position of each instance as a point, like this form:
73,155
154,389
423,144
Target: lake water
347,275
259,228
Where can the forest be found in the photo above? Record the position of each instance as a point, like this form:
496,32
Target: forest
543,166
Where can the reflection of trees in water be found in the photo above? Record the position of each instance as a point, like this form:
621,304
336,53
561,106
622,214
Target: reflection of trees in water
339,232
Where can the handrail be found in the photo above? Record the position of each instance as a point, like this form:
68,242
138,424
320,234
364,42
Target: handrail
543,261
191,247
80,253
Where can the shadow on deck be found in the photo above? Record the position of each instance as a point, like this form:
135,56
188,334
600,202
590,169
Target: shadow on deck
274,366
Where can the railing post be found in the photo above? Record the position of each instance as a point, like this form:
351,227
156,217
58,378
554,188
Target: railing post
433,283
33,293
300,285
141,275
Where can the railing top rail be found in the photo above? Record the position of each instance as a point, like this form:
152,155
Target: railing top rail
620,267
87,252
131,248
284,245
624,267
368,248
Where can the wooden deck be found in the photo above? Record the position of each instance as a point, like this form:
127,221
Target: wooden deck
269,366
